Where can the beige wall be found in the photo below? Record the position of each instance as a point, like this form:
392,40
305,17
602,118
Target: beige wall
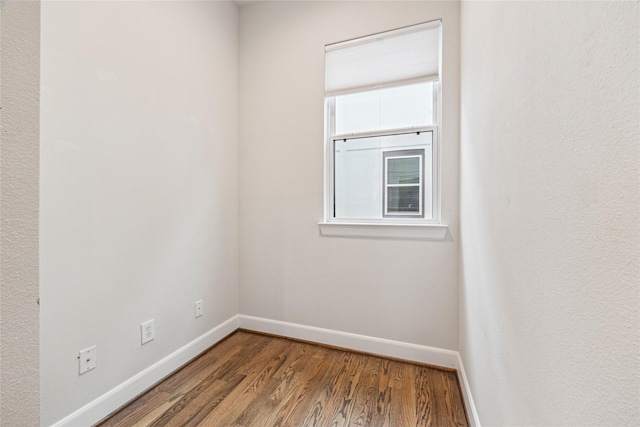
138,186
19,139
400,290
550,304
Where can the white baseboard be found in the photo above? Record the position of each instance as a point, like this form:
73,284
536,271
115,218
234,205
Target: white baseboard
400,350
134,386
474,421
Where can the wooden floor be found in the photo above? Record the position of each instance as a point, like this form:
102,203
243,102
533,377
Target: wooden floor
256,380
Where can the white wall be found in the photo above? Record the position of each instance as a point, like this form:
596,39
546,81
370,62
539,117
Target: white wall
139,186
550,202
19,115
400,290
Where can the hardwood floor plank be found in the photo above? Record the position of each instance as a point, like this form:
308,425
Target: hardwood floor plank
145,404
177,384
403,411
452,399
322,401
259,379
253,380
261,400
294,411
424,400
203,404
380,416
191,377
227,372
365,404
350,390
150,416
289,397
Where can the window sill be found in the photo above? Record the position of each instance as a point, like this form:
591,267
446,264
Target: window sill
384,231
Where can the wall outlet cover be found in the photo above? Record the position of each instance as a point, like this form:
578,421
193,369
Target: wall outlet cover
87,359
198,308
148,331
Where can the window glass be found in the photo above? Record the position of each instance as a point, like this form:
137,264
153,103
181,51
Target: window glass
403,199
360,185
403,182
388,108
403,170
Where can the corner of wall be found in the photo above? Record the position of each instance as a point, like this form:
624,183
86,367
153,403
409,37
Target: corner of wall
19,186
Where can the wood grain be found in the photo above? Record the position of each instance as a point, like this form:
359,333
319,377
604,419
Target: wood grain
250,380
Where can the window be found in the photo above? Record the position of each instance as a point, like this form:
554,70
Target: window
403,183
382,128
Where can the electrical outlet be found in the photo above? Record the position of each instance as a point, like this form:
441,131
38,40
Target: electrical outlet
148,331
87,359
198,308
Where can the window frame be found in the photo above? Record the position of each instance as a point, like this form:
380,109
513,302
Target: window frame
403,154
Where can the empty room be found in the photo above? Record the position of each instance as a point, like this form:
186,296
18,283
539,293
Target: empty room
319,213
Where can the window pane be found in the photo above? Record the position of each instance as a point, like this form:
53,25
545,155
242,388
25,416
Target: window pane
403,199
407,106
359,175
390,108
403,170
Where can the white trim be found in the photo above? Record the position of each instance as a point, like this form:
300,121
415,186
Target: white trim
385,34
383,347
472,413
386,132
384,231
104,405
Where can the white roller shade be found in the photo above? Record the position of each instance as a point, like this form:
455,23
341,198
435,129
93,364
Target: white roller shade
394,57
